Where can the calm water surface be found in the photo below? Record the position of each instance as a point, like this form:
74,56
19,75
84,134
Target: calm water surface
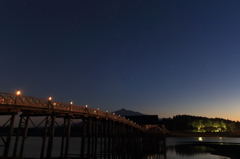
177,148
182,148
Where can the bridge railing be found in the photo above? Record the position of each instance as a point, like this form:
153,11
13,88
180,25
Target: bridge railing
12,99
60,106
77,108
7,98
31,101
27,101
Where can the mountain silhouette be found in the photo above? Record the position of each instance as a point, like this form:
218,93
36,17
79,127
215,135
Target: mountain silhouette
123,112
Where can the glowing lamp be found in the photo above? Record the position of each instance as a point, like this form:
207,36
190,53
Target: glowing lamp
71,103
86,106
18,92
49,98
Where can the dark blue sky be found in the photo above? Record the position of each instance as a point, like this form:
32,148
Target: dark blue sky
156,57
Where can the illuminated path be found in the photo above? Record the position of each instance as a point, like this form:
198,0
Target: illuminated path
113,130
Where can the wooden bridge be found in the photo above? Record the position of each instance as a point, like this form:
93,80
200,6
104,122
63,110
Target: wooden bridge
116,133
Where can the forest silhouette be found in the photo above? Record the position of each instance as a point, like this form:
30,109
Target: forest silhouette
200,124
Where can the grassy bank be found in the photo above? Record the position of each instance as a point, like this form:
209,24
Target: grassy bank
197,134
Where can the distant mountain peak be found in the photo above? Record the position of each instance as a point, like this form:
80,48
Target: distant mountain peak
123,112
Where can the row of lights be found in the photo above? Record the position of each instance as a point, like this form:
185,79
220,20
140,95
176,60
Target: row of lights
50,98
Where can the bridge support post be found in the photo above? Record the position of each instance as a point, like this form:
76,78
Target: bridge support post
105,138
66,136
44,137
89,133
83,137
139,142
109,137
93,136
113,139
63,137
9,137
135,140
121,138
117,139
96,138
24,137
17,137
101,139
51,136
124,140
130,138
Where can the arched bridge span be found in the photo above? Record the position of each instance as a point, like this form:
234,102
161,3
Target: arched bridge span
116,134
20,103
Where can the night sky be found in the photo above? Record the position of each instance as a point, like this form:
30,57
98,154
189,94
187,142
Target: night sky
163,57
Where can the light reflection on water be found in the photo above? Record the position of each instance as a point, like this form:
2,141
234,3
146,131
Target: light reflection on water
186,148
173,141
177,148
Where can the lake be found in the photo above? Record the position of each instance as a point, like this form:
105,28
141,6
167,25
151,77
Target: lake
176,148
200,147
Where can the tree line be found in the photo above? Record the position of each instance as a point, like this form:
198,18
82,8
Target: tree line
200,124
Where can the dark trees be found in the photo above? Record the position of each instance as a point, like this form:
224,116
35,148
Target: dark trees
200,124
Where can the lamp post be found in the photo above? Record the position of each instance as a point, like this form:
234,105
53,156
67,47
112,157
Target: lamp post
50,106
17,94
71,103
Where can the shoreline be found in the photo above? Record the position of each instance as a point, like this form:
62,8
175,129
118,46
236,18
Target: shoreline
226,149
198,134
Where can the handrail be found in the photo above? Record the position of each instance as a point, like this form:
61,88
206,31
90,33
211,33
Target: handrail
33,102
